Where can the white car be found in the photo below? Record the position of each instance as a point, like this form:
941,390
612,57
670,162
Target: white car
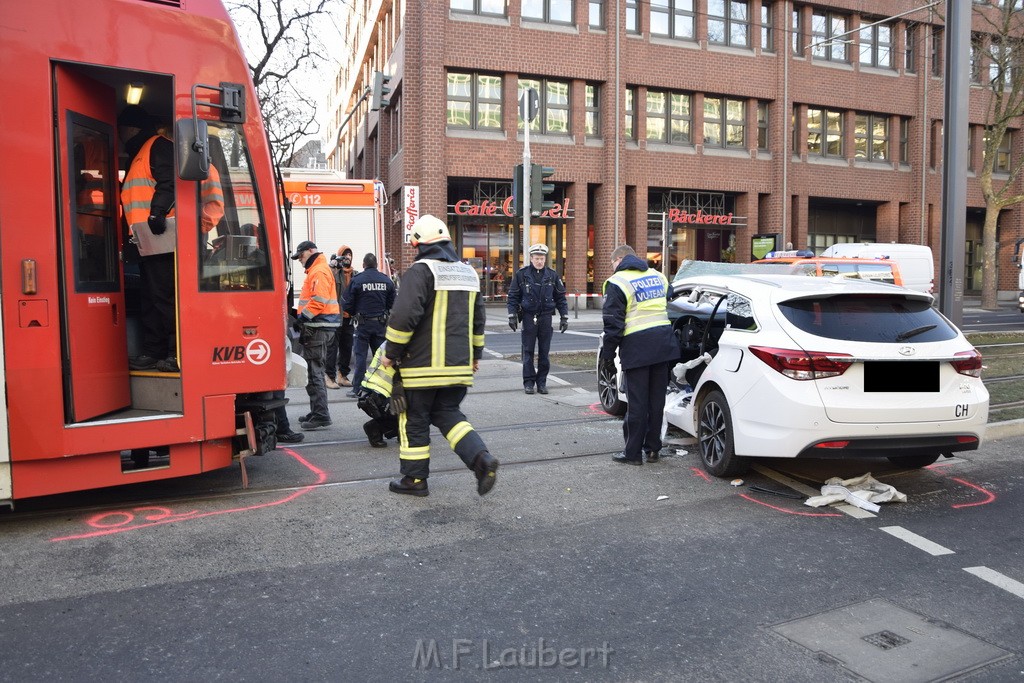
816,368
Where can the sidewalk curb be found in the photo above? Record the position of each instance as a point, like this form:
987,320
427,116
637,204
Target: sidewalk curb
1004,430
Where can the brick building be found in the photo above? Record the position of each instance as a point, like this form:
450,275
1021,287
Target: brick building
711,121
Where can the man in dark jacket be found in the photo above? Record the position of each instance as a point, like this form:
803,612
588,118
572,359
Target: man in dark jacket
635,315
436,337
536,292
339,348
368,300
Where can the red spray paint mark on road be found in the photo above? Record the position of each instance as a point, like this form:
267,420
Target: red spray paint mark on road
988,499
697,472
115,522
791,512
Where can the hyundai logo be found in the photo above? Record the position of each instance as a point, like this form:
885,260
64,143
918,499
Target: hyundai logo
907,351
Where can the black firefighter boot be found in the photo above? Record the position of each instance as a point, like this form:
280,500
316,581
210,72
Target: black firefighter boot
410,486
375,434
486,469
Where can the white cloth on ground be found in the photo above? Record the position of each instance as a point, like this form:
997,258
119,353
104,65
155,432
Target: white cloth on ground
864,491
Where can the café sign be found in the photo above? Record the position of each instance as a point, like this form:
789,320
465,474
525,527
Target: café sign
487,207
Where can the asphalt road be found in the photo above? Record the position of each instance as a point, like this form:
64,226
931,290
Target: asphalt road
573,568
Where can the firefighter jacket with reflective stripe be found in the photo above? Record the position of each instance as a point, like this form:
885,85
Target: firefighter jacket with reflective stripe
148,186
635,316
379,378
318,303
436,329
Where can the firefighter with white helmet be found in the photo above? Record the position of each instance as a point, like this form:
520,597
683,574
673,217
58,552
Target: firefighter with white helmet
435,337
534,296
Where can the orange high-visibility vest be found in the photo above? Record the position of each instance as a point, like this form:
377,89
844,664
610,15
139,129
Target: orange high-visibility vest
140,186
212,200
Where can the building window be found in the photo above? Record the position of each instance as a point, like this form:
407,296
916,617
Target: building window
871,137
474,101
762,126
629,121
729,23
798,33
876,46
910,50
972,131
668,117
673,19
824,132
395,124
632,16
491,7
592,122
550,11
827,39
767,34
1002,162
1004,61
728,116
935,153
904,140
937,37
596,14
553,117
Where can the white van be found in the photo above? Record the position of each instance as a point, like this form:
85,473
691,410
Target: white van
915,260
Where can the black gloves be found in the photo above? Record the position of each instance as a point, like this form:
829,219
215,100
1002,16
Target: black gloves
513,321
563,325
297,324
399,404
157,224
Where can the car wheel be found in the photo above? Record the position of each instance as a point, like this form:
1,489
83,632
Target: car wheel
608,389
714,437
913,461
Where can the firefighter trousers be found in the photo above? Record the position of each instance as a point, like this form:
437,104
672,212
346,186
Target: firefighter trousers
438,407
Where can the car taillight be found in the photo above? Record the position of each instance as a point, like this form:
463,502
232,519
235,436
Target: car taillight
970,365
803,365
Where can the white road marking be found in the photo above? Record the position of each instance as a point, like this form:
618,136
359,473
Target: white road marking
999,580
583,334
558,380
492,354
919,542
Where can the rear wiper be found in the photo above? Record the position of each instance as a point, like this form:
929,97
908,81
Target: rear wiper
903,336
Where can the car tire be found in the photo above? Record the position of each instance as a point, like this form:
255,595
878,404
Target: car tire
913,462
714,437
608,389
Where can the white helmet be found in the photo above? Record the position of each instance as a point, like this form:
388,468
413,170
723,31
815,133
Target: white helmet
427,230
539,249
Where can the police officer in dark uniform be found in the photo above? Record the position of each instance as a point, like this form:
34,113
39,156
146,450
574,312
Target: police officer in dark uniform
368,300
535,294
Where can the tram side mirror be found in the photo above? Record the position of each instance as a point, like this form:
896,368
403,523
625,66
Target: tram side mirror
192,141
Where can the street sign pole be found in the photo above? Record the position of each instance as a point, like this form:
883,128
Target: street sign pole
524,110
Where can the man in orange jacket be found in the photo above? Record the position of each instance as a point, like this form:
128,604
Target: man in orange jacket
318,317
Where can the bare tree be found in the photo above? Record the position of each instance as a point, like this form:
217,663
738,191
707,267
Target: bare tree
1003,49
283,44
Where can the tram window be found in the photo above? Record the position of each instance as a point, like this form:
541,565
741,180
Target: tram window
92,207
232,236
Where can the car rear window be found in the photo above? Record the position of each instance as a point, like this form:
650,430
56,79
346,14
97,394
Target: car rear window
868,318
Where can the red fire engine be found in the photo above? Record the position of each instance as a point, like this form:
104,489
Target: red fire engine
75,416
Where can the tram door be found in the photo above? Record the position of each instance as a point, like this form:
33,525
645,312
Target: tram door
94,340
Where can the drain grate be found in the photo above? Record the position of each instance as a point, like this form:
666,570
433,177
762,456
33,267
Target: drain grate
885,640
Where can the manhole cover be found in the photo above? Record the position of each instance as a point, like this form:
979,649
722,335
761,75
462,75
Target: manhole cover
882,642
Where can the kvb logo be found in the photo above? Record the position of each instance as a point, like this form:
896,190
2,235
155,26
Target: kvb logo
256,352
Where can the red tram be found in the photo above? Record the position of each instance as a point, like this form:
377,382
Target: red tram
75,416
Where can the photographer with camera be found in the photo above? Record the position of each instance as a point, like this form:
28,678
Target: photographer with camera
339,350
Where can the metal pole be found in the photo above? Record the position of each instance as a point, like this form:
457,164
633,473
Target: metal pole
525,110
664,243
618,121
954,159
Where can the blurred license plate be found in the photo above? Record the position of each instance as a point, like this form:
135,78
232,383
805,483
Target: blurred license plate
901,376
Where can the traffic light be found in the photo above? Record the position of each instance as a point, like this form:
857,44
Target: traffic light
380,89
517,190
540,191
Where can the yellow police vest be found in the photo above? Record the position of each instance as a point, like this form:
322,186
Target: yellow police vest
646,305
